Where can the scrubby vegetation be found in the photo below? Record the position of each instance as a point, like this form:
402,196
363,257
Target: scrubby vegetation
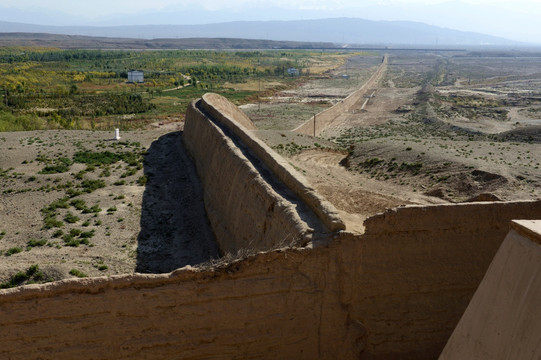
44,88
32,275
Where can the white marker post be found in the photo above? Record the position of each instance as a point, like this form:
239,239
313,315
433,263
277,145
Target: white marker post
117,134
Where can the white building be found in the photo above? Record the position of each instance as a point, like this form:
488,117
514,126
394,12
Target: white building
136,76
293,72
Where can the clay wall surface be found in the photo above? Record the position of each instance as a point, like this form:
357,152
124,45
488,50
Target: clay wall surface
278,305
396,292
423,264
245,212
222,111
502,319
327,116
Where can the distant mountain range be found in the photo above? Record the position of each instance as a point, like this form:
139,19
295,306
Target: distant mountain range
95,42
344,31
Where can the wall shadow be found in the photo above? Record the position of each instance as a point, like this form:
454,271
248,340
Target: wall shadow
175,230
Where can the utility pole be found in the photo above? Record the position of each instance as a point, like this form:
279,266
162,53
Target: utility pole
314,125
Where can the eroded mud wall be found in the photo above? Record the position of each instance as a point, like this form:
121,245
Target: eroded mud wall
503,319
227,114
272,306
420,268
327,116
243,209
254,198
395,293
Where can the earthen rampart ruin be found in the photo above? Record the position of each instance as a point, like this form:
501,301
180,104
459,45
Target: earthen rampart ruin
502,319
246,182
397,291
321,121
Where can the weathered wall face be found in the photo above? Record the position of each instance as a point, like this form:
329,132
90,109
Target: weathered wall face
420,267
243,209
502,320
222,111
245,311
395,293
253,197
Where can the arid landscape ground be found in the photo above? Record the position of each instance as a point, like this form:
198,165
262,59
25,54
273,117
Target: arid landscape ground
446,127
441,127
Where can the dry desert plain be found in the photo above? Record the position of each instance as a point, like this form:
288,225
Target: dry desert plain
438,127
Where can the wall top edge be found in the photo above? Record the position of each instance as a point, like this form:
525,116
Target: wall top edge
452,205
528,228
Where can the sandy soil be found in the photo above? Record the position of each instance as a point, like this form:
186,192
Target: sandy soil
398,150
154,228
395,161
357,196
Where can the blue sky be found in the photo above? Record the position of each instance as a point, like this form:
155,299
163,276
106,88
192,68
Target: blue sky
518,20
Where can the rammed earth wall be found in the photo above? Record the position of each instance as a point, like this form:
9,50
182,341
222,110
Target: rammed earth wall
327,116
396,292
254,198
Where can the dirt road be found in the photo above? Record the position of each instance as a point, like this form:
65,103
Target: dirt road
336,115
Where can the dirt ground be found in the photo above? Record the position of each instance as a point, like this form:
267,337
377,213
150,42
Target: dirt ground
441,128
422,144
130,225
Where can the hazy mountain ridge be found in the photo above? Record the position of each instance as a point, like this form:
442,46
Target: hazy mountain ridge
91,42
337,30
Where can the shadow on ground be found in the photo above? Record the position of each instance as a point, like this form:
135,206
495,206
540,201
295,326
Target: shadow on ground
175,230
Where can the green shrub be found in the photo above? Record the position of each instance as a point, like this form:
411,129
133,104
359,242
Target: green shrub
95,158
92,185
129,172
87,234
61,165
77,273
31,275
35,243
94,209
70,218
142,180
13,250
59,204
75,232
52,222
78,204
19,278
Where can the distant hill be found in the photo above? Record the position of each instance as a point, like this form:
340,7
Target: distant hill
90,42
337,30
